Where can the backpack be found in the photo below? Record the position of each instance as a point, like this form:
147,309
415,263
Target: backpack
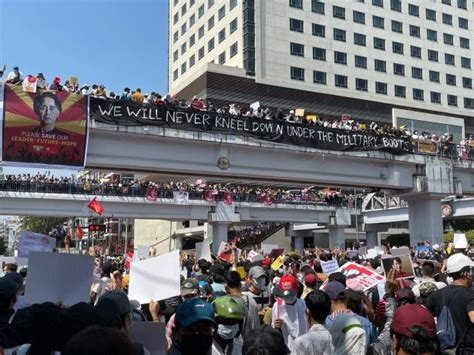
445,330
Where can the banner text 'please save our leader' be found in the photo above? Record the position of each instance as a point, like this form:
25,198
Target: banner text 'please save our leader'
132,114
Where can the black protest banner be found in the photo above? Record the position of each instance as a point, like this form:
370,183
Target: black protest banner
126,113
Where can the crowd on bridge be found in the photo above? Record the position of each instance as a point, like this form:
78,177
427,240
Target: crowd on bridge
198,190
443,145
352,301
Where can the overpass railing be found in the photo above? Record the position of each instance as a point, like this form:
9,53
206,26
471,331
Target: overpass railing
374,202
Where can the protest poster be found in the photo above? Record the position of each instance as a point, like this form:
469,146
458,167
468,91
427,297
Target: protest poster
151,335
329,266
44,129
30,241
254,256
365,277
275,253
267,248
460,241
203,251
402,264
225,252
277,263
59,278
155,278
400,251
141,252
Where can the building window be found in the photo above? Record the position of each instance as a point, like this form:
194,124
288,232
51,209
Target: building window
201,11
319,30
340,81
380,65
183,48
466,62
414,10
432,35
221,13
415,51
400,91
447,2
397,26
414,31
468,103
175,55
192,40
201,53
452,100
435,97
467,83
201,32
183,68
434,76
339,12
296,25
221,35
398,69
378,22
298,4
339,35
183,10
340,58
358,17
297,73
418,94
464,42
463,23
175,74
397,47
451,79
380,88
297,49
379,43
319,53
362,84
396,5
233,49
317,7
360,61
378,3
430,15
359,39
210,23
210,3
449,59
192,20
447,19
192,60
448,39
462,4
433,55
183,29
233,3
233,26
222,58
175,37
416,73
175,18
319,77
210,45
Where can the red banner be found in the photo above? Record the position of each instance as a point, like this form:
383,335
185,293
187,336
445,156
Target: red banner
44,128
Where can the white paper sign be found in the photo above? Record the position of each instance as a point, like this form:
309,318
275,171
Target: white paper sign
156,278
30,241
371,253
329,266
151,335
460,241
267,248
141,252
254,256
59,278
203,251
400,251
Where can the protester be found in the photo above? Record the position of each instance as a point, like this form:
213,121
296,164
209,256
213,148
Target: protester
265,340
428,284
15,77
230,314
138,97
256,288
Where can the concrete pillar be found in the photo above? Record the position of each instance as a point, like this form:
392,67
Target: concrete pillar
219,234
321,240
371,238
424,219
337,238
299,243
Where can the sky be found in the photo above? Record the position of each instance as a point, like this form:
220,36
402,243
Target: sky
117,43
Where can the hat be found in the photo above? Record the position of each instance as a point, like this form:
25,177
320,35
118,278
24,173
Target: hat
85,86
266,262
8,288
288,283
189,287
265,337
411,315
310,279
15,68
192,311
335,290
457,262
256,271
40,75
427,288
120,299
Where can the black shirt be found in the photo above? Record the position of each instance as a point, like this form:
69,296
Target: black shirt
460,301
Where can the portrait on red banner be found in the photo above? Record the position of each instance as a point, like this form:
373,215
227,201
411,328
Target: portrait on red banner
46,127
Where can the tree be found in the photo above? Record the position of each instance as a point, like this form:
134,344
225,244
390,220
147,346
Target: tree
398,240
42,225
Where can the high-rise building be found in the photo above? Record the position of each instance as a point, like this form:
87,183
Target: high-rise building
404,62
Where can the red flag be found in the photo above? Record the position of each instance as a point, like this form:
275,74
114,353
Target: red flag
208,196
268,200
95,206
151,193
228,200
79,233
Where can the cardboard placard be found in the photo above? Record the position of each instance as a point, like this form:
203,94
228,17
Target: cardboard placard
365,277
329,266
275,253
403,264
30,241
203,251
277,263
254,256
460,241
59,278
225,253
156,278
151,335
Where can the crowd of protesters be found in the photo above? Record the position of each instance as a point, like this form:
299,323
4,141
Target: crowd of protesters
443,145
255,307
200,190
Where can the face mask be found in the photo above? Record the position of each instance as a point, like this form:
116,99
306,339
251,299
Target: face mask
259,283
195,344
290,299
227,332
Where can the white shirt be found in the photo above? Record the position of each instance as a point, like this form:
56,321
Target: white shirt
294,321
12,75
317,341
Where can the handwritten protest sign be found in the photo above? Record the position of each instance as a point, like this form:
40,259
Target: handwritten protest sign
58,278
30,241
329,266
155,278
277,263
